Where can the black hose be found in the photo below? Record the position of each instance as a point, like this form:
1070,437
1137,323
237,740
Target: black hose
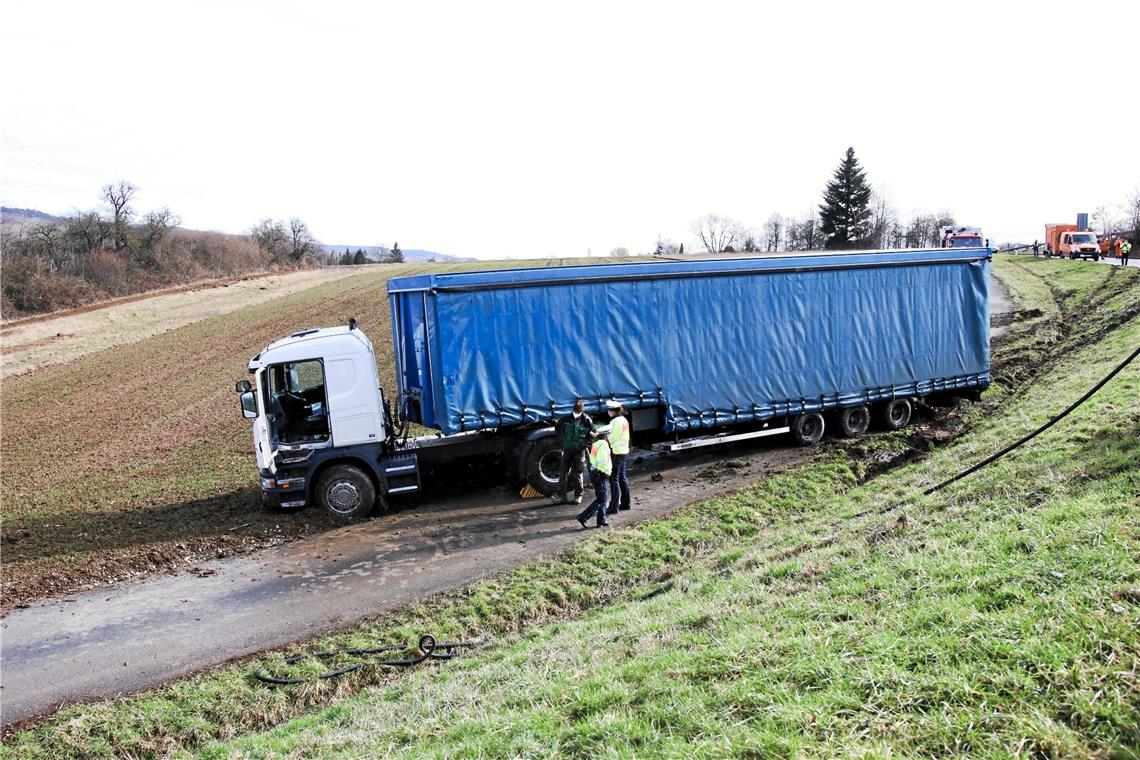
428,649
1029,437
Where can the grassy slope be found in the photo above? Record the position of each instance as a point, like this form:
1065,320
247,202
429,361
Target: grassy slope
1001,616
135,459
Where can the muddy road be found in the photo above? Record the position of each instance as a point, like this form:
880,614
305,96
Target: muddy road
108,642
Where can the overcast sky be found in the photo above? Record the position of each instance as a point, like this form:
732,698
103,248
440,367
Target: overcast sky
553,129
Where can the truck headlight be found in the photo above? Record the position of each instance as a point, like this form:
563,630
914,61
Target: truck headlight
291,484
268,484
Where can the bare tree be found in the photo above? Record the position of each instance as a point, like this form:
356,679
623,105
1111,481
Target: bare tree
883,216
119,197
716,233
88,232
619,251
773,232
154,231
1132,214
49,236
303,242
271,237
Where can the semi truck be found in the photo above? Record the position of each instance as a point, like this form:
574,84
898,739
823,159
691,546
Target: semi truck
698,353
1072,240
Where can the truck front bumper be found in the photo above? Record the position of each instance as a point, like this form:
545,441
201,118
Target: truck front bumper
288,492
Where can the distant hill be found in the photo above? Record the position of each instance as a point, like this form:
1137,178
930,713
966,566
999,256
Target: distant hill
8,214
377,253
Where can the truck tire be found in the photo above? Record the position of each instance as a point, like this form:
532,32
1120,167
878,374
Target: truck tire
346,493
543,460
895,414
807,429
853,422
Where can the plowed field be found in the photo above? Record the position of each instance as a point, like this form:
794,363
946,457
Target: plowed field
135,459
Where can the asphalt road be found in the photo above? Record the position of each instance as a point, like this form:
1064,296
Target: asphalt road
136,636
108,642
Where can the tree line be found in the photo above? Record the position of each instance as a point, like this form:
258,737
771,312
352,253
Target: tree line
851,215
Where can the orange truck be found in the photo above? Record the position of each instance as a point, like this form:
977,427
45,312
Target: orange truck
1072,241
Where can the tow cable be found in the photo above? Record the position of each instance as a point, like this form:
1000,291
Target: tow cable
427,649
1019,442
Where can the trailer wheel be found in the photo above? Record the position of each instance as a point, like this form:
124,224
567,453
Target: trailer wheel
895,414
346,493
854,422
543,463
807,429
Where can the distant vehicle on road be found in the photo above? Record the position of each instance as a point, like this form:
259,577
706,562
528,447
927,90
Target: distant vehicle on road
963,237
1072,241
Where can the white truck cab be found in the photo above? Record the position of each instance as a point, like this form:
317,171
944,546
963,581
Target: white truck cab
315,398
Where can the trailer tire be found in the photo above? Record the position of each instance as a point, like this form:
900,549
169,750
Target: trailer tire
543,460
346,493
895,414
853,422
808,428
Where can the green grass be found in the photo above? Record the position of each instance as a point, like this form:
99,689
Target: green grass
1000,618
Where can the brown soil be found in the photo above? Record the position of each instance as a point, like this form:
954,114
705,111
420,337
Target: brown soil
135,460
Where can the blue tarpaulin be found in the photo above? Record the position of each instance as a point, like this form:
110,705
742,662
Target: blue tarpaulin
712,342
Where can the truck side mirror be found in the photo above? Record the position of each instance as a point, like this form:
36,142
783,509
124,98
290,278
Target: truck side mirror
242,386
248,405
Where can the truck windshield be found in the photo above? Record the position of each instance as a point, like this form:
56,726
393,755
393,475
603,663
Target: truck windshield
296,395
965,242
1084,239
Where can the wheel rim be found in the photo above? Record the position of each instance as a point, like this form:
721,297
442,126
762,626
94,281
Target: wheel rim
857,420
810,428
898,414
343,497
549,466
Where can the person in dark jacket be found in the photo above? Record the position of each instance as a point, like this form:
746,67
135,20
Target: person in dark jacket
573,433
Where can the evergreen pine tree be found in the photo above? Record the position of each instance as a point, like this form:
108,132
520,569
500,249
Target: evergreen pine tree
845,214
359,257
396,256
682,251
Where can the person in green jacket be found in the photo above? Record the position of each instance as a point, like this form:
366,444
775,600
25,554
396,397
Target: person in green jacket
573,433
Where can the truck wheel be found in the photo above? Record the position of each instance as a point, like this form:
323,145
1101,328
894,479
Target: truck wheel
807,429
854,422
895,414
543,460
346,493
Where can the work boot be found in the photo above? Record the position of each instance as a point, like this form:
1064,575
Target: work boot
578,499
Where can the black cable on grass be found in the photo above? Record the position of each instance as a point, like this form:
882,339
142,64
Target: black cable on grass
1021,441
429,649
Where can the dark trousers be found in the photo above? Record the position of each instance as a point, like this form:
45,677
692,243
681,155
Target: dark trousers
1124,258
601,500
619,483
570,470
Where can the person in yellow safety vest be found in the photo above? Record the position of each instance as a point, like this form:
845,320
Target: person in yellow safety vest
1125,252
619,447
600,468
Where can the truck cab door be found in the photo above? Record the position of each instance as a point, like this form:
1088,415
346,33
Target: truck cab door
261,443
